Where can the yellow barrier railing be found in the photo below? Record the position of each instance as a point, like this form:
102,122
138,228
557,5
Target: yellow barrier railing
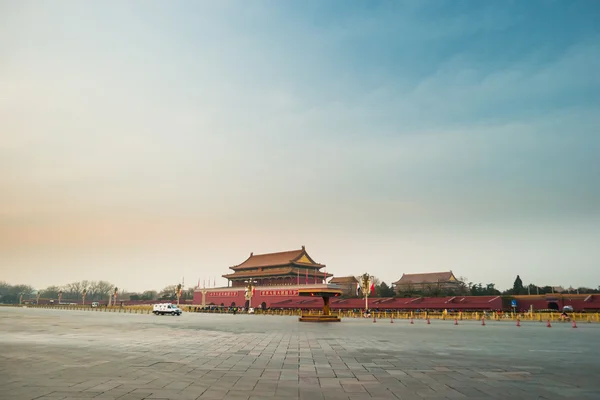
461,316
474,316
115,309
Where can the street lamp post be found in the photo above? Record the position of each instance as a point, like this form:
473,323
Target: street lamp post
179,288
365,284
83,293
250,291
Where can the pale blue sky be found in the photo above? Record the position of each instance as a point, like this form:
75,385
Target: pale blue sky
388,137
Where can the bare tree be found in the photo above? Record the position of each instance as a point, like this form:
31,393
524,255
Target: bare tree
102,289
13,294
168,293
464,286
73,290
149,295
51,292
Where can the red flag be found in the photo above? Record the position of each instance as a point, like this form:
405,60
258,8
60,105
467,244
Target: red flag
372,288
253,290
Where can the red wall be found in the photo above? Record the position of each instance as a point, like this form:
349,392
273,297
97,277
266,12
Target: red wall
227,296
288,298
576,301
282,297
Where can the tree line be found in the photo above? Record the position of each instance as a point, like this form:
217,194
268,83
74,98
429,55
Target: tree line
466,288
93,291
102,290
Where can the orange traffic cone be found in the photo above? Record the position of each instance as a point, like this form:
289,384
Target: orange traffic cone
428,321
518,322
573,324
411,321
455,321
482,321
548,324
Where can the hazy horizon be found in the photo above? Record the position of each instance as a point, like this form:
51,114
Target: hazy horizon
143,142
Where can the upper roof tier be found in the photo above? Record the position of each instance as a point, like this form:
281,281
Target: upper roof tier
431,277
277,271
344,280
298,257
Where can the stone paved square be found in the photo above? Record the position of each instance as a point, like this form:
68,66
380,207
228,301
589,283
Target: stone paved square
55,354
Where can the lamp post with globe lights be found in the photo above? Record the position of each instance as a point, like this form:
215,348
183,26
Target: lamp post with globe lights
366,283
178,293
249,291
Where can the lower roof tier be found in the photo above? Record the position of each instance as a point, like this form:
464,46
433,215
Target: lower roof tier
277,272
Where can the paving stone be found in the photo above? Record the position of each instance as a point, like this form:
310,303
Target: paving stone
50,354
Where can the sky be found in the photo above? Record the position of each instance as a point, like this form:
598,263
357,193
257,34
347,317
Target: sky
146,142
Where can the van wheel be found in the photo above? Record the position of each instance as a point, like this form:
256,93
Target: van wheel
172,313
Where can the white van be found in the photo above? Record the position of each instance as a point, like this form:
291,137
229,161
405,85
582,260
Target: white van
166,308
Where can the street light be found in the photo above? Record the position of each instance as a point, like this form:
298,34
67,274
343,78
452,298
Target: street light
249,291
178,292
365,284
